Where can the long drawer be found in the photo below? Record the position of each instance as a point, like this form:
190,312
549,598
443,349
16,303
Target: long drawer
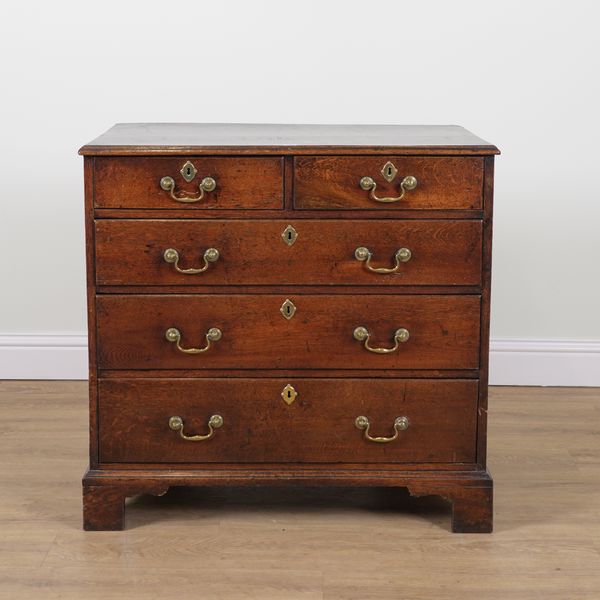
274,331
326,252
260,421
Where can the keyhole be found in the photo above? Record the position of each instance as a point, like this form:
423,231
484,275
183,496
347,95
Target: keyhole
288,309
188,171
289,235
289,394
389,171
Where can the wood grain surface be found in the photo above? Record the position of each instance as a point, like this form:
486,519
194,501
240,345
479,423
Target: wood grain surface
134,182
246,138
444,331
259,426
333,182
130,252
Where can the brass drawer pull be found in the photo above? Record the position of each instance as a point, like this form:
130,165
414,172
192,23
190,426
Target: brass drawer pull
176,424
363,254
171,256
214,334
400,424
400,336
208,184
408,183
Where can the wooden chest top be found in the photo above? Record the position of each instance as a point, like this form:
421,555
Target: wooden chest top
223,138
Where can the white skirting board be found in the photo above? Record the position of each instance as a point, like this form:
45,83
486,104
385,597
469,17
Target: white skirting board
43,356
545,362
512,361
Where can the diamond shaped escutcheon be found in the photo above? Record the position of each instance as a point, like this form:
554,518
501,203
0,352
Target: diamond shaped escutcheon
288,309
289,394
289,235
188,171
389,171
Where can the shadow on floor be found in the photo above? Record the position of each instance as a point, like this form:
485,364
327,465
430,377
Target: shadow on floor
220,503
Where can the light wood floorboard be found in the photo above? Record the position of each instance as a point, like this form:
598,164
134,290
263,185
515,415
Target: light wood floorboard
331,544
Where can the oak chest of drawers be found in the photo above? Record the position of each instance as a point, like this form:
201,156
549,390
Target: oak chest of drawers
288,305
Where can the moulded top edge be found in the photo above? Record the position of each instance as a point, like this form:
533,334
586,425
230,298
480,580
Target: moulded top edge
230,138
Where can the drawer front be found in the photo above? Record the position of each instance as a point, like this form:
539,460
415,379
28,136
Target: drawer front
252,183
335,182
319,425
132,252
321,333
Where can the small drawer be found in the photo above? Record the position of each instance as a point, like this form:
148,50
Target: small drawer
396,182
302,252
296,331
287,421
192,183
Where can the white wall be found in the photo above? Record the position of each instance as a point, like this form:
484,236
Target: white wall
523,75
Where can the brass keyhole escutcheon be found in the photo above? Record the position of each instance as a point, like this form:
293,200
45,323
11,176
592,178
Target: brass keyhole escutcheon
289,235
288,309
188,171
289,394
389,171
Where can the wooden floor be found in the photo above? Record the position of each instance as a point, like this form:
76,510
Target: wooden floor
544,448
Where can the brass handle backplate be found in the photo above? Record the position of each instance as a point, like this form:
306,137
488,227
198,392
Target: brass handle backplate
363,254
400,336
400,424
208,184
368,184
176,424
214,334
171,256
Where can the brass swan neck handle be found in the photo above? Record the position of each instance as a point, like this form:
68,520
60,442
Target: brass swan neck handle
173,335
208,184
176,424
363,254
368,184
363,423
171,256
362,334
